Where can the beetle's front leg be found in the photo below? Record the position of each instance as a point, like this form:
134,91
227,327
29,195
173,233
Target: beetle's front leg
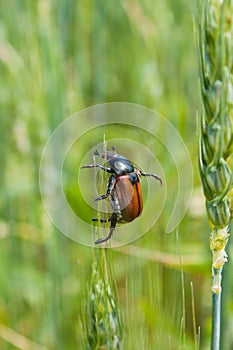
153,175
112,228
111,184
105,168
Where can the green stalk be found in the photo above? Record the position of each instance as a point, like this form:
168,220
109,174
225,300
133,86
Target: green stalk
195,333
215,49
216,313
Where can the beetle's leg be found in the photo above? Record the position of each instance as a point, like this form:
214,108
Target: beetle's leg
109,170
101,220
112,228
105,168
153,175
111,184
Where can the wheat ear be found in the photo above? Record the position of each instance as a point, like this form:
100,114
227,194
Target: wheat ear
215,51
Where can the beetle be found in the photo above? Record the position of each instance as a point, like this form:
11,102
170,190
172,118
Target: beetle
124,189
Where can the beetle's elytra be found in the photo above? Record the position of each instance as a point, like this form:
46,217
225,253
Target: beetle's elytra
123,189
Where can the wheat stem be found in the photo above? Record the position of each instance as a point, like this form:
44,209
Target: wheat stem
216,313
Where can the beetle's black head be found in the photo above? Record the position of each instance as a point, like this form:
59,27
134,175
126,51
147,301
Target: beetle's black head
107,154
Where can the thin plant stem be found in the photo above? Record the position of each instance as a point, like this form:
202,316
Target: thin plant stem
216,314
183,320
194,319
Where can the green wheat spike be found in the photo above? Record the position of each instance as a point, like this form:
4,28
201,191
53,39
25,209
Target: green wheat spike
216,131
215,51
101,320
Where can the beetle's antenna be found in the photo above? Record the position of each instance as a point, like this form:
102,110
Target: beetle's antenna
114,148
97,153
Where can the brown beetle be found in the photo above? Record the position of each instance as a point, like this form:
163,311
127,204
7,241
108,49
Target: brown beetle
124,189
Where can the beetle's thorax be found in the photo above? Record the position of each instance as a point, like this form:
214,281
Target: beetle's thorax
118,164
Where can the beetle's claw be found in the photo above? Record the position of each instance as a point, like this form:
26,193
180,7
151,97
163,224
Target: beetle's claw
101,220
105,239
101,240
158,178
101,197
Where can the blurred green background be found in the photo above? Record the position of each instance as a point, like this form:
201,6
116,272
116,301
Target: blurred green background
56,58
